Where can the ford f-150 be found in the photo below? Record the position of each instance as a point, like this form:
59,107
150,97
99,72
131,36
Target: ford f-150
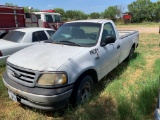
79,54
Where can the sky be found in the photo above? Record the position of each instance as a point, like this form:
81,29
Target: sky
87,6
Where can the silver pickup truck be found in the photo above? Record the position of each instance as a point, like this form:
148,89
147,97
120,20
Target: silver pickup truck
80,53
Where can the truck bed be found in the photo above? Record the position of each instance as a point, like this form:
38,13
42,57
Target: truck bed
126,33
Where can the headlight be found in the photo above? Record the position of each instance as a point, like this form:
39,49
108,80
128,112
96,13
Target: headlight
51,79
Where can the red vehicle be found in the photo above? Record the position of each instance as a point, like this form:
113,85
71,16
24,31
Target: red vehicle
12,17
127,17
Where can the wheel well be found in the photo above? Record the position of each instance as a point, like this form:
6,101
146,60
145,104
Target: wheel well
134,45
90,72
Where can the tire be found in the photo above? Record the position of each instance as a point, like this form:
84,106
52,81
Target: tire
131,54
83,90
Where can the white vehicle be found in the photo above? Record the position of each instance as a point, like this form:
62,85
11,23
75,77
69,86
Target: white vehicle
49,20
18,39
157,111
79,55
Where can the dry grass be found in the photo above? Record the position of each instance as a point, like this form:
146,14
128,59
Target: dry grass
128,92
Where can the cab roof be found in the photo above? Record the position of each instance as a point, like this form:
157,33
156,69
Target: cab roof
92,21
46,13
32,29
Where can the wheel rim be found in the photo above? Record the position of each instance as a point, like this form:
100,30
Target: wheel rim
131,53
86,92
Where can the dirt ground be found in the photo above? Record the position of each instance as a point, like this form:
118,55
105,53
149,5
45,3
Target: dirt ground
141,29
104,104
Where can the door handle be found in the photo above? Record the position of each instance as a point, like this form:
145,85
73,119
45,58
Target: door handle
118,46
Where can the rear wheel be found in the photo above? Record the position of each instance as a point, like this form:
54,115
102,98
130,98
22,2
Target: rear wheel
83,90
131,54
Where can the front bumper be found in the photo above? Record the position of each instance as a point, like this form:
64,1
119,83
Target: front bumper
40,98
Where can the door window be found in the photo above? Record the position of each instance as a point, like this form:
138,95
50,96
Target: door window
39,36
108,30
49,18
35,37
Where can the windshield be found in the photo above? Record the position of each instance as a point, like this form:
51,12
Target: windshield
14,36
79,33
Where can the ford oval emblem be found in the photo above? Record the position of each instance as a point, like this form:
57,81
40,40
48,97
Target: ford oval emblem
17,75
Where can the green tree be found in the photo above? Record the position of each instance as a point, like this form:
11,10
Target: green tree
75,15
142,10
26,10
120,10
111,12
80,15
95,15
156,11
60,10
69,14
85,16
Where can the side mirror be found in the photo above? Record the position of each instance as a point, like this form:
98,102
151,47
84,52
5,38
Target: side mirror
108,40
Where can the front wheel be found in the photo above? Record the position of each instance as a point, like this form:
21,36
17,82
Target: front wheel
84,90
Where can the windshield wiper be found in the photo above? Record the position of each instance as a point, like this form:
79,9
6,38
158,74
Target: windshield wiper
73,43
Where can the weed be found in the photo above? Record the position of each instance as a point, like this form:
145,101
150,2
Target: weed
129,92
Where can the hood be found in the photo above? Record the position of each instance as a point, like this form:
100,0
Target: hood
4,43
44,56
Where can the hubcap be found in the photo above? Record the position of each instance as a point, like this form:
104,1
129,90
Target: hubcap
86,92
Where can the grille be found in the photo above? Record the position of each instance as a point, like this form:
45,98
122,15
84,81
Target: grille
22,76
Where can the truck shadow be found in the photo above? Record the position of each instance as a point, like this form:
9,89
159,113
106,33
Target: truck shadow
100,106
115,73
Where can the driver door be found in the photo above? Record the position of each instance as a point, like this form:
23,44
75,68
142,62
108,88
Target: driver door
109,54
